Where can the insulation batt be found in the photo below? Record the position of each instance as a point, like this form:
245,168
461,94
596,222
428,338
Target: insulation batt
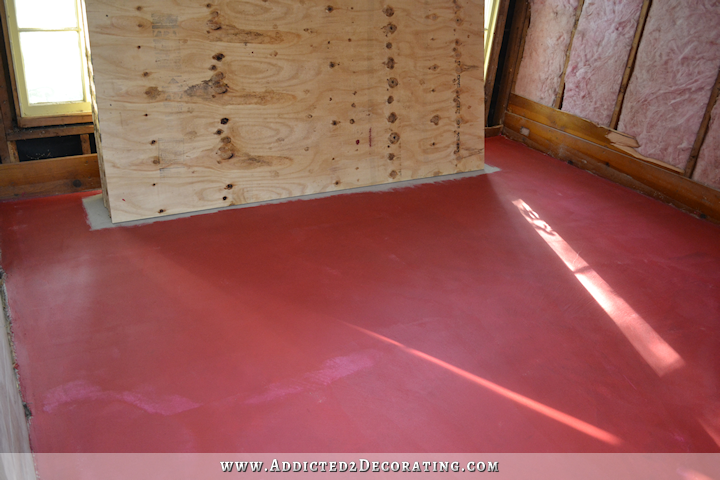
707,170
677,63
599,54
546,45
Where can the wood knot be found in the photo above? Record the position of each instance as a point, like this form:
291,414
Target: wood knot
226,152
394,138
389,11
435,119
153,93
392,118
209,87
213,23
392,82
390,28
389,63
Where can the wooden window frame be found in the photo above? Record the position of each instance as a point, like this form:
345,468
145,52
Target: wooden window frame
41,120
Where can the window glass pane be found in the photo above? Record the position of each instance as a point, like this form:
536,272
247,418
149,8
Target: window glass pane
53,66
488,17
48,14
488,12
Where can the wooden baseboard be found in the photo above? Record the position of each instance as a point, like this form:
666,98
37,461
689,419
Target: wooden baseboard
493,131
579,127
644,177
49,177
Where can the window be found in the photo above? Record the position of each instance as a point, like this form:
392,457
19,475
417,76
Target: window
491,9
48,52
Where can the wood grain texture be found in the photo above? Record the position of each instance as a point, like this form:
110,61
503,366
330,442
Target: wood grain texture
582,128
6,102
13,156
493,131
60,131
516,42
649,179
203,105
68,119
85,144
11,72
49,177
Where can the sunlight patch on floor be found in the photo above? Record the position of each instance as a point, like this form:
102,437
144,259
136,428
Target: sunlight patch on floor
656,352
538,407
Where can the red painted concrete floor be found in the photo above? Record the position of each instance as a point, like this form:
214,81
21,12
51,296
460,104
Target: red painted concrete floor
433,318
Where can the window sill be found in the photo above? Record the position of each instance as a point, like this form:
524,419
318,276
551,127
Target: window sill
29,122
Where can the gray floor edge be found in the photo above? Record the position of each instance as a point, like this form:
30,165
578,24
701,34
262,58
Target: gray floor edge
98,217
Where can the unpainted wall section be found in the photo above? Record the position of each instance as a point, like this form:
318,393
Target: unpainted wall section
598,58
16,461
677,64
546,46
641,71
707,170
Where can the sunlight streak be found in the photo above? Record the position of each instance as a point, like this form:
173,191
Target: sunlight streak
711,430
690,474
656,352
561,417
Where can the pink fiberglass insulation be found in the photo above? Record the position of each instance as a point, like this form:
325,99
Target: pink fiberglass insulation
546,44
676,67
600,50
707,170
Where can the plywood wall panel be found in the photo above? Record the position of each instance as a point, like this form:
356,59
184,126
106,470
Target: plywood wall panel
202,105
677,63
599,54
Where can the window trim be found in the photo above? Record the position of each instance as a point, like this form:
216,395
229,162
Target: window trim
76,112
